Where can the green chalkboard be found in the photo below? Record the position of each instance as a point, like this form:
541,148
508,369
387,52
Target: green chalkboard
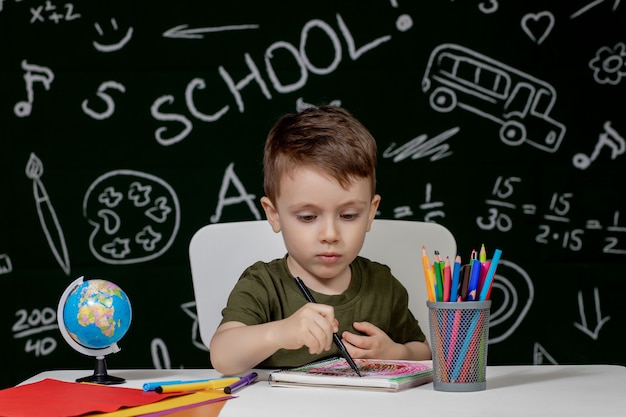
502,121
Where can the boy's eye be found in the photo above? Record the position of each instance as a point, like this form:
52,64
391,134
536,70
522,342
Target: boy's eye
307,218
349,216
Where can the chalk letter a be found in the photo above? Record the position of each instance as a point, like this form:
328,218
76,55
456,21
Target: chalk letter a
231,177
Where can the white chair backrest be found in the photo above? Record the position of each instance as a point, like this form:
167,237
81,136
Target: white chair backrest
220,252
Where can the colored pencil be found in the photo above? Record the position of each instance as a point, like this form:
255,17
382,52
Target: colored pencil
428,275
486,289
454,287
447,278
472,288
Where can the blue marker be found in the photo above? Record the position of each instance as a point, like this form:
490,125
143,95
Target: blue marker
151,386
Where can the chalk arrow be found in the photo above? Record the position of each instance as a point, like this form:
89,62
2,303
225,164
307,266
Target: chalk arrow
182,32
582,326
541,356
591,5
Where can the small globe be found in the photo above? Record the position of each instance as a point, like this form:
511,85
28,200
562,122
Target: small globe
97,313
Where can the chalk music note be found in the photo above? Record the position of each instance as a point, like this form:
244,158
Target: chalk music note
34,73
610,138
5,264
47,216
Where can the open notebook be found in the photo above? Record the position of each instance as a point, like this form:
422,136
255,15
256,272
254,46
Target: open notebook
386,375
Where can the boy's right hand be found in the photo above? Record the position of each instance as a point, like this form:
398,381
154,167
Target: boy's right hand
312,326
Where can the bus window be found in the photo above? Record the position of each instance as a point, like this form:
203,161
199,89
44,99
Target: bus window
518,103
543,102
492,81
446,64
466,71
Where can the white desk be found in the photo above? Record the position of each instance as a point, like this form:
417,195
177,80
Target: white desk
546,390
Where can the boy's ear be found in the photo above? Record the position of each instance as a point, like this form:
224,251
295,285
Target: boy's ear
271,213
373,210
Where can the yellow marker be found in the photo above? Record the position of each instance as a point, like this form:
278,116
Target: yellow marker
196,386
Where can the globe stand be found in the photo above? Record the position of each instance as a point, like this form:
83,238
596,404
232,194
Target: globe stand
100,374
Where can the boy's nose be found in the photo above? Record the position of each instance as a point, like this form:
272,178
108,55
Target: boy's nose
329,232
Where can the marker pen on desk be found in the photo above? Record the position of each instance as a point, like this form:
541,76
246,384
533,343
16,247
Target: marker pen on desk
336,339
151,386
245,380
197,386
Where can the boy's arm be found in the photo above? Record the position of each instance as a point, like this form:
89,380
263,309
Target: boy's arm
236,347
419,351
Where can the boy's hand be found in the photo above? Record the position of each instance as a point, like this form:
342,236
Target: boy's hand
312,326
373,344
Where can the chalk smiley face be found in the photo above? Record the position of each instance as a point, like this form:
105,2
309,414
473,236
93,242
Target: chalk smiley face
135,216
118,44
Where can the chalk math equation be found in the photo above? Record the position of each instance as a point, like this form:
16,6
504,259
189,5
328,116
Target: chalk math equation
555,221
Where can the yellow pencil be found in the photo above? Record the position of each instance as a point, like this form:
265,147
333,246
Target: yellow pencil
196,386
428,274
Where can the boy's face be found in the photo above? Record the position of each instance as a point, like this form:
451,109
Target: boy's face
323,225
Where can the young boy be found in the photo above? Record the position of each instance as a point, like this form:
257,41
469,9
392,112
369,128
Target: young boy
319,181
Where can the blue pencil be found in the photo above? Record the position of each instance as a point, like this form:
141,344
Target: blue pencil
484,292
472,288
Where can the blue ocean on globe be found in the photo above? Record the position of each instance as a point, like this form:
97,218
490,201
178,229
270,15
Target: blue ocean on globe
97,313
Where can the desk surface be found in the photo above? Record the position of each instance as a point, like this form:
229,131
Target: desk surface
545,390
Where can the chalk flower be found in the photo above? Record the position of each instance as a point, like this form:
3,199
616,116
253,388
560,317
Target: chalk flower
609,64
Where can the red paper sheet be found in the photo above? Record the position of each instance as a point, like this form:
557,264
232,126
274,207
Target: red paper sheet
53,398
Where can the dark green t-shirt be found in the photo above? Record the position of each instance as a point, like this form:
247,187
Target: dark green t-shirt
268,292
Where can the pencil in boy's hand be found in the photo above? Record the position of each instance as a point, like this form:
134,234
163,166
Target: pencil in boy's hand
336,339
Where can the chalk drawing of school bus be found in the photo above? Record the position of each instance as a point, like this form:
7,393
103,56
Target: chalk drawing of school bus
459,77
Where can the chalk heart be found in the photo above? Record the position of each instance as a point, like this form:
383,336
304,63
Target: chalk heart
538,25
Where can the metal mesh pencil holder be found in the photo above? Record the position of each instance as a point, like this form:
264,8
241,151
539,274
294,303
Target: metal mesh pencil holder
459,333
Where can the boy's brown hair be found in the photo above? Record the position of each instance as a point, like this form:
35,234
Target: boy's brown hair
327,138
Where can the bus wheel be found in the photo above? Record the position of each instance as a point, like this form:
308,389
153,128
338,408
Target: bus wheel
513,133
443,100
